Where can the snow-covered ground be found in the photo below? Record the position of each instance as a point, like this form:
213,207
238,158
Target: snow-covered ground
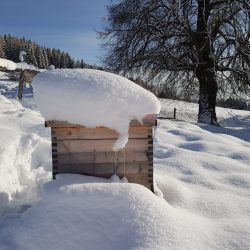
10,65
202,171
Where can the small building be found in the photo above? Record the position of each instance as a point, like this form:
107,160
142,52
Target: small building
81,150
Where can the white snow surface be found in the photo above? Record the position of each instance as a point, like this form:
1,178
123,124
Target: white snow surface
24,65
21,55
93,98
10,65
202,173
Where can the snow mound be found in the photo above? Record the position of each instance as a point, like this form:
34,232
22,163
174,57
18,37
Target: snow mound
77,212
24,65
25,156
10,65
93,98
7,64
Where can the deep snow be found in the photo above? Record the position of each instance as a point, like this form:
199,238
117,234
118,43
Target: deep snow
10,65
202,171
93,98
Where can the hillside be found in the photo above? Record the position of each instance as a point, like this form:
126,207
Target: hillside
37,55
202,173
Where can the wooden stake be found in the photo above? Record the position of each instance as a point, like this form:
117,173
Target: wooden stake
20,86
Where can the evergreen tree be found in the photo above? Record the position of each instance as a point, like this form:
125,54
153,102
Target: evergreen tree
30,54
2,43
37,55
78,64
82,64
45,58
63,60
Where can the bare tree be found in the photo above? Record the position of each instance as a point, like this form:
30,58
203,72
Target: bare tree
203,42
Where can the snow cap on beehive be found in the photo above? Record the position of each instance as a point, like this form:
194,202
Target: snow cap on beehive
93,98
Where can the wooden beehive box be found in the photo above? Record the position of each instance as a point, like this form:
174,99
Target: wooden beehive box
88,151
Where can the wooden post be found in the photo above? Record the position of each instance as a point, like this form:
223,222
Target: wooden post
20,86
174,113
211,116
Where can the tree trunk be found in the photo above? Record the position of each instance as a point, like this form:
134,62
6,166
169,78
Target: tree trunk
205,71
207,96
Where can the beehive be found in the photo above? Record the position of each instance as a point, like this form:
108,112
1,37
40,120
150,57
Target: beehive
88,151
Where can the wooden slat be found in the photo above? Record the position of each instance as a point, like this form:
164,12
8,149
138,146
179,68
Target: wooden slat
103,157
104,169
64,124
75,146
140,178
98,133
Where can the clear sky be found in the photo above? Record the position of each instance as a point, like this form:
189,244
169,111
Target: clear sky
69,25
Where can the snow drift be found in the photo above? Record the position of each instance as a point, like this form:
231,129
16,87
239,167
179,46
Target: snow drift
202,171
10,65
25,160
77,212
93,98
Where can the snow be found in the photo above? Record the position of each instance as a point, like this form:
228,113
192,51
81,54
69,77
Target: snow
10,65
24,65
52,67
202,173
4,63
21,56
93,98
24,154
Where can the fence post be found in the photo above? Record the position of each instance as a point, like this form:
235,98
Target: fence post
20,86
174,113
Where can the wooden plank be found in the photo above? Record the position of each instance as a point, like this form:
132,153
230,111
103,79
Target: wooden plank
98,133
104,169
64,124
140,178
103,157
75,146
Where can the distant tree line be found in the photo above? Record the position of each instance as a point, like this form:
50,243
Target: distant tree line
234,103
39,56
170,92
181,94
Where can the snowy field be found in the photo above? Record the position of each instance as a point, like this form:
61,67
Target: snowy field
202,173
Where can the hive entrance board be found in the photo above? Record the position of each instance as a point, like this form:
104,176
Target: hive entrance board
88,151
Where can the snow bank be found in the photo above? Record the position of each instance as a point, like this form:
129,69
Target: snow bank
24,65
93,98
205,170
25,159
7,64
202,171
77,212
10,65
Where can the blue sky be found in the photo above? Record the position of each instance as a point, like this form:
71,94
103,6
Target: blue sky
65,24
